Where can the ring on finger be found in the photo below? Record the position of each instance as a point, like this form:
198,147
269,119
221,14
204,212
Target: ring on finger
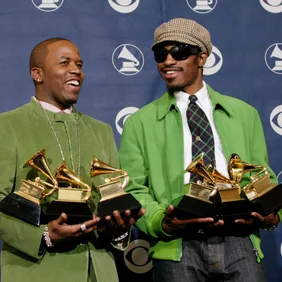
83,227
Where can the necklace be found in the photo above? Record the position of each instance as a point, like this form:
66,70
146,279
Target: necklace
69,143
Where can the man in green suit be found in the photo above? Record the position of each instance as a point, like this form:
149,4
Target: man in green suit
158,144
57,251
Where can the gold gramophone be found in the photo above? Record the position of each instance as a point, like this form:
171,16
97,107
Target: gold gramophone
266,196
113,196
74,201
201,196
216,195
25,203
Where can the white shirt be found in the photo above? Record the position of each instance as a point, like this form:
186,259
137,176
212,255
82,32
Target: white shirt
52,108
204,102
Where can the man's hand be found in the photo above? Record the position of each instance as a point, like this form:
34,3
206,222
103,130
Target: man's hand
265,222
59,230
174,226
117,224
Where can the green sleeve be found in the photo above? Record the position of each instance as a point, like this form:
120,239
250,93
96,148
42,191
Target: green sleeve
16,233
259,151
133,161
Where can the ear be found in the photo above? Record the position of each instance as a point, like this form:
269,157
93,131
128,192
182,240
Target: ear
202,59
37,74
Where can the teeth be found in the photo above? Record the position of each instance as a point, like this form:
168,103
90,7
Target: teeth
170,72
73,82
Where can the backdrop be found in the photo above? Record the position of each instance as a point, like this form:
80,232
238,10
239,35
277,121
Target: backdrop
115,38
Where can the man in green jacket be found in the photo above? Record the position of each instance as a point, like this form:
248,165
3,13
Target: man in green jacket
156,147
57,251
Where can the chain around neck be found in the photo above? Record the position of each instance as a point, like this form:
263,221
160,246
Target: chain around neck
69,142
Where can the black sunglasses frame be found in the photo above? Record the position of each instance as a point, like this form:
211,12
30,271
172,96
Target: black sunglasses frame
178,52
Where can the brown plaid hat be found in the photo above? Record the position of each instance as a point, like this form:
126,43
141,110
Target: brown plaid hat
183,31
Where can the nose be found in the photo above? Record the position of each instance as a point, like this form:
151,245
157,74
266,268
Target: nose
75,69
169,60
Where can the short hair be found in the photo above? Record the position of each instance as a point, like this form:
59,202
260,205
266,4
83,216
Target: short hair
40,51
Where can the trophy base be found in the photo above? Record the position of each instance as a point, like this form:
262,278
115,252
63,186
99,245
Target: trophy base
230,211
21,208
121,203
269,202
77,212
190,207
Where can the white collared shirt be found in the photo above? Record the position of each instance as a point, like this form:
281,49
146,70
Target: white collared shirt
204,102
52,108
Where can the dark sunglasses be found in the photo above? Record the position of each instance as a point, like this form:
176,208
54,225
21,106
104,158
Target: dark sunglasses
178,52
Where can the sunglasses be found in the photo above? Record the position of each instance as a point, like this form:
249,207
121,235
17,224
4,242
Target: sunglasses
178,52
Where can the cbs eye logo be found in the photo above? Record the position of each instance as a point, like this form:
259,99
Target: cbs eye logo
276,119
47,5
122,116
124,6
214,62
136,257
272,6
279,177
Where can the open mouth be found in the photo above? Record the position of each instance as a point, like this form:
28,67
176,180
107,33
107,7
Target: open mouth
75,83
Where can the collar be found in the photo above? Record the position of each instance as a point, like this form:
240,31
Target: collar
167,102
182,98
52,108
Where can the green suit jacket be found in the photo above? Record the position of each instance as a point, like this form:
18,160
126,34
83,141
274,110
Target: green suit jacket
151,151
24,132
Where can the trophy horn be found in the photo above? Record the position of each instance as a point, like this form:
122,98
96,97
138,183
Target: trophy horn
218,177
98,167
65,174
38,161
236,168
198,166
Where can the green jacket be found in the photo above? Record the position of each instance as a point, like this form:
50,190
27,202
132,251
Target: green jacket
24,132
151,151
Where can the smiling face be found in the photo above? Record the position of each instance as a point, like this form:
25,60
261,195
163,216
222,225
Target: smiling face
183,75
60,78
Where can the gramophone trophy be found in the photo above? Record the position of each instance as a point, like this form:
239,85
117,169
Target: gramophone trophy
74,200
215,196
25,203
200,197
113,196
265,196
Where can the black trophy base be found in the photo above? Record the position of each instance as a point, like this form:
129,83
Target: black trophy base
240,209
120,203
189,207
269,202
21,208
77,212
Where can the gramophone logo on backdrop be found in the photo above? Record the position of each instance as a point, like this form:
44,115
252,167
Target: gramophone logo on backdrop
124,6
47,5
272,6
276,119
273,58
128,59
122,116
214,62
136,257
202,6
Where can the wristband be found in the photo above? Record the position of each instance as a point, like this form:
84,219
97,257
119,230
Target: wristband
121,237
46,238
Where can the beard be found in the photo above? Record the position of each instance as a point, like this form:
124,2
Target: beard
175,88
